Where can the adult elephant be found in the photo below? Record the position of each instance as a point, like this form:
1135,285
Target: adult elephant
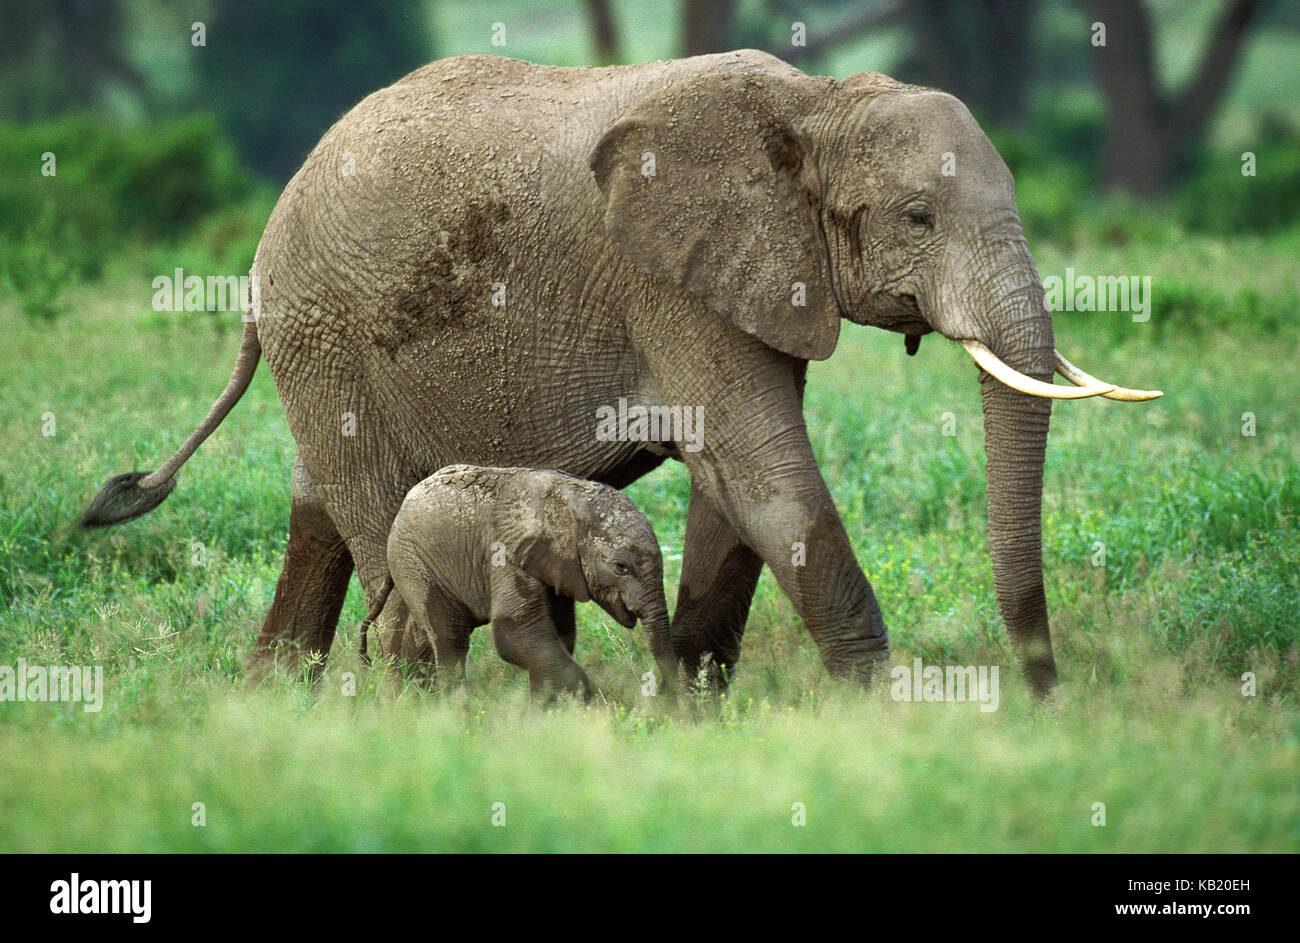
475,261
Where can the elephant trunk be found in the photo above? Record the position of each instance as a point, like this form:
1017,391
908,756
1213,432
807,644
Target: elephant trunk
1015,441
654,617
1017,359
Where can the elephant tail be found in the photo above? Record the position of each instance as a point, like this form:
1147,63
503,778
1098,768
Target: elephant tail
372,615
127,496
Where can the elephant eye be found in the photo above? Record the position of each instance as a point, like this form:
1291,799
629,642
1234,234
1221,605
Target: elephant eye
921,218
622,569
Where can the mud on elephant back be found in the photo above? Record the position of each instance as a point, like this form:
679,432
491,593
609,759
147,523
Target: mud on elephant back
684,235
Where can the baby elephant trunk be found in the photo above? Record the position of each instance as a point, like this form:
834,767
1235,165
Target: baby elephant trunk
654,618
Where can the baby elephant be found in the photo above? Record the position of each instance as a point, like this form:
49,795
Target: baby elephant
515,547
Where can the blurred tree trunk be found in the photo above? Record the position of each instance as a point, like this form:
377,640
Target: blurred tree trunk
89,38
57,55
1009,45
289,69
861,23
979,51
603,32
706,26
1147,129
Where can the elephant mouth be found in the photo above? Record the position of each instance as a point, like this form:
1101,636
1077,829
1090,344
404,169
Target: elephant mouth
622,615
899,313
1085,385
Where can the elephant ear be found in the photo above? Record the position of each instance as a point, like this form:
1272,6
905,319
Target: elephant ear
535,519
711,185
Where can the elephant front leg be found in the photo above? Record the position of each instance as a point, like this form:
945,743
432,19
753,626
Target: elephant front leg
813,561
527,636
538,650
783,510
719,574
565,622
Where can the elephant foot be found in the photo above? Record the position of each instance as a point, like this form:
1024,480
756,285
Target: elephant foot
545,687
283,659
1041,675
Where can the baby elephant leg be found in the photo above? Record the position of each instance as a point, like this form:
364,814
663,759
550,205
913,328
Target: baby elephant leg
451,648
436,643
528,638
565,624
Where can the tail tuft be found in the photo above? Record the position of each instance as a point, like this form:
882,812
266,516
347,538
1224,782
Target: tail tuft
121,500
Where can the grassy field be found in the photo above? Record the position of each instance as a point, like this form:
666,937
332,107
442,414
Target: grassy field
1198,585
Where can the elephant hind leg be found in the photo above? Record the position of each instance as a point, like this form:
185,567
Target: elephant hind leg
310,592
430,640
719,574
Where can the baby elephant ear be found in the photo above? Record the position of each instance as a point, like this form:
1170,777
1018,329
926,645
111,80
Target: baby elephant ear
536,522
712,185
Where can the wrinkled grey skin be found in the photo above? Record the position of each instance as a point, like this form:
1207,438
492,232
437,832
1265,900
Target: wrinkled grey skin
780,203
516,547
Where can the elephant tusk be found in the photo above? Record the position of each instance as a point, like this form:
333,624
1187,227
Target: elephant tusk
1018,381
1079,378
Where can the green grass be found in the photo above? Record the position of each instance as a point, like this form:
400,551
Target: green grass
1199,585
